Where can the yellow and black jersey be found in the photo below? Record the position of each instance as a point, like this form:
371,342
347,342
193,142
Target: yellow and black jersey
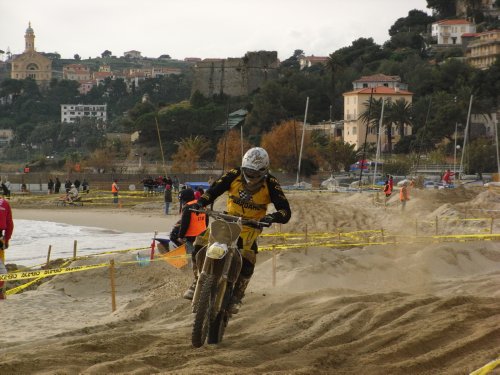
241,202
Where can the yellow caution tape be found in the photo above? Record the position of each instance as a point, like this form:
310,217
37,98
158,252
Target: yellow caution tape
26,275
486,368
17,289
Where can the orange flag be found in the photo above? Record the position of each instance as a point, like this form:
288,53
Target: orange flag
177,257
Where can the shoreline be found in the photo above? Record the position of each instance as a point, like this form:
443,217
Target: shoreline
123,220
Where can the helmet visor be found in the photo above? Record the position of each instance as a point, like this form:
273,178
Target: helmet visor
252,175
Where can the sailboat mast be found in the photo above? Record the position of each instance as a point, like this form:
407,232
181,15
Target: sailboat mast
377,155
302,141
465,136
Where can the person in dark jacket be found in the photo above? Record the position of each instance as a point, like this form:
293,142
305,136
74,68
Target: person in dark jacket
57,185
168,198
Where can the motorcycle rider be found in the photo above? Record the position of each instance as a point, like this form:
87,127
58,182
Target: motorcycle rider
250,190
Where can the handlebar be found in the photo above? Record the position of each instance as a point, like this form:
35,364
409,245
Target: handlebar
232,218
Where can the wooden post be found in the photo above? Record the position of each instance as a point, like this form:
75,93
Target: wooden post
75,245
112,280
382,232
306,238
416,227
339,235
48,256
437,229
491,225
274,266
153,245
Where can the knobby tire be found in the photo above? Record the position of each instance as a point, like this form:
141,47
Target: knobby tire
202,315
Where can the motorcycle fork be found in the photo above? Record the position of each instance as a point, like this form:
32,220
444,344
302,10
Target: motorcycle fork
206,269
223,280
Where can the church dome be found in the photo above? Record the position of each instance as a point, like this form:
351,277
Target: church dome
29,30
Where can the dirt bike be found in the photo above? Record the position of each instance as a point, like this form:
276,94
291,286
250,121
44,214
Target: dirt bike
220,264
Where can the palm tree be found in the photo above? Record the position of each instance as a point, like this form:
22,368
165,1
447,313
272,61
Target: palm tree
400,114
372,119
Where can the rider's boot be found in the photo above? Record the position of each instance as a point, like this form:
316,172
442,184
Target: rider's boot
189,293
2,292
238,294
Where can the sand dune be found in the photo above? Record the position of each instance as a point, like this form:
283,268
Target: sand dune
411,308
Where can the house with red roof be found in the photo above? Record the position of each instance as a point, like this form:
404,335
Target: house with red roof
449,32
356,103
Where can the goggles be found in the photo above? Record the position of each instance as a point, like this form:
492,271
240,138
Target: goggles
252,174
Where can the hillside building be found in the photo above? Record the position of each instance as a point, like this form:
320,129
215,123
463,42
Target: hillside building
449,32
355,104
71,113
484,50
31,64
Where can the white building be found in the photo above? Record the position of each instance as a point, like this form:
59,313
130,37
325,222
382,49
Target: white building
449,32
70,113
377,80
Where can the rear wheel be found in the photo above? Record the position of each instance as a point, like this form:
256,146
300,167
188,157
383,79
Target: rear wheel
203,312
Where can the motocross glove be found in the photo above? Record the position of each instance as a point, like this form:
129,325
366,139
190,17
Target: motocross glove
196,206
268,219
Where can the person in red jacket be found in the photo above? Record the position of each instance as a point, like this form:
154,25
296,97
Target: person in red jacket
6,228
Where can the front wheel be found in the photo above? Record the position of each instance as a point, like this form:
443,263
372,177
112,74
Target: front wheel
203,312
218,325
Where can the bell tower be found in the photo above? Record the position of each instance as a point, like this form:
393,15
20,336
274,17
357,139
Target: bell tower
29,38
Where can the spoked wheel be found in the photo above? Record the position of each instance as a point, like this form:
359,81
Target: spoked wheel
217,328
218,325
203,312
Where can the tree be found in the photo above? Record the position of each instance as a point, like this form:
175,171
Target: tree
482,156
283,146
444,8
77,57
293,61
106,53
415,22
231,144
189,152
339,155
401,114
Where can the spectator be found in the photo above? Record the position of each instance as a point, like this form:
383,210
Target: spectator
77,184
447,177
72,195
175,183
198,192
114,190
85,186
5,189
6,229
67,186
404,195
168,198
57,185
387,189
50,186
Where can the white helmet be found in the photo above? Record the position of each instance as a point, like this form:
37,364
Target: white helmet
255,164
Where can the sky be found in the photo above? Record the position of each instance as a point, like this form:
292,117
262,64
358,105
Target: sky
197,28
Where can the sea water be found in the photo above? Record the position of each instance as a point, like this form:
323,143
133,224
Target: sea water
31,240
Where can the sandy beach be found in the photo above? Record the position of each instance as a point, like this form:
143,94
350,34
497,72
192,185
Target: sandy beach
405,305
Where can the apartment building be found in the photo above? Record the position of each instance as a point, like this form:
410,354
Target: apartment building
71,113
484,50
355,104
